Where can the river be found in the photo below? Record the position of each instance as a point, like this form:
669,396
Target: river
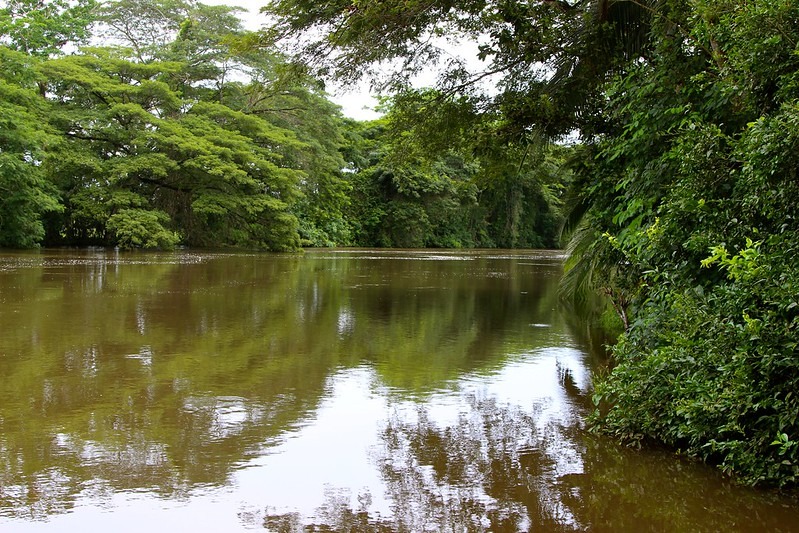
335,390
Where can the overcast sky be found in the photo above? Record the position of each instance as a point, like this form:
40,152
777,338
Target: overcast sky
356,103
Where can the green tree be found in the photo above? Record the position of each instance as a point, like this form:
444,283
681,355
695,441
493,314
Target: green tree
198,35
436,173
163,29
148,168
290,99
406,196
30,31
25,194
40,28
208,41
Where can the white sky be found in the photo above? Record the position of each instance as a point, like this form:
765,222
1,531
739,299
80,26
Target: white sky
357,102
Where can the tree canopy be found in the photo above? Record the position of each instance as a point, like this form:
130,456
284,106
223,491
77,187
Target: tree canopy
547,60
174,129
44,28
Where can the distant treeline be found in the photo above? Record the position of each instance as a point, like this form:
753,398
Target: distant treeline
177,127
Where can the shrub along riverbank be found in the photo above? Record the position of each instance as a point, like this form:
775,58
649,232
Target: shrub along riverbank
697,198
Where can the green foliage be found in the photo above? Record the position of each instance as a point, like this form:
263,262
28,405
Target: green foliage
520,45
210,170
293,101
141,228
435,173
714,372
177,134
25,194
697,191
44,28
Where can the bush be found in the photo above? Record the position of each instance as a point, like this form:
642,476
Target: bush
140,228
699,196
716,373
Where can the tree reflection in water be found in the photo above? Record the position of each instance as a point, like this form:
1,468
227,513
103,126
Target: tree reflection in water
494,469
499,468
486,472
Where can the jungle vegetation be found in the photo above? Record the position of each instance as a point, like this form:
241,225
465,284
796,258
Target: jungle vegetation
163,123
658,140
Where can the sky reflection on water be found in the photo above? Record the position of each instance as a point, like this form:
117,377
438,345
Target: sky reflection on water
350,390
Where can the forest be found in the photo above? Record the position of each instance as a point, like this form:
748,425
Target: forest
159,124
656,140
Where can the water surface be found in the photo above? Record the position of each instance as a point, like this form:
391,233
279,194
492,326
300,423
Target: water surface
338,390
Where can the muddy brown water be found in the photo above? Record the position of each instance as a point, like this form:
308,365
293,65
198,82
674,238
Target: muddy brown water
336,390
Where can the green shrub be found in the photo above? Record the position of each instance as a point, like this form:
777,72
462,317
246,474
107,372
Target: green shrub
716,373
141,228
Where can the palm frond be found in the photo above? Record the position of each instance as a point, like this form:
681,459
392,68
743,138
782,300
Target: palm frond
582,267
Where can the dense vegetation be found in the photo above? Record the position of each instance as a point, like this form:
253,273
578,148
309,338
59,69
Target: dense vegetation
678,202
175,127
697,191
452,182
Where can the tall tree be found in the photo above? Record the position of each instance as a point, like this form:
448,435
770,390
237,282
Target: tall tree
198,35
291,99
207,41
148,168
159,29
25,194
44,28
